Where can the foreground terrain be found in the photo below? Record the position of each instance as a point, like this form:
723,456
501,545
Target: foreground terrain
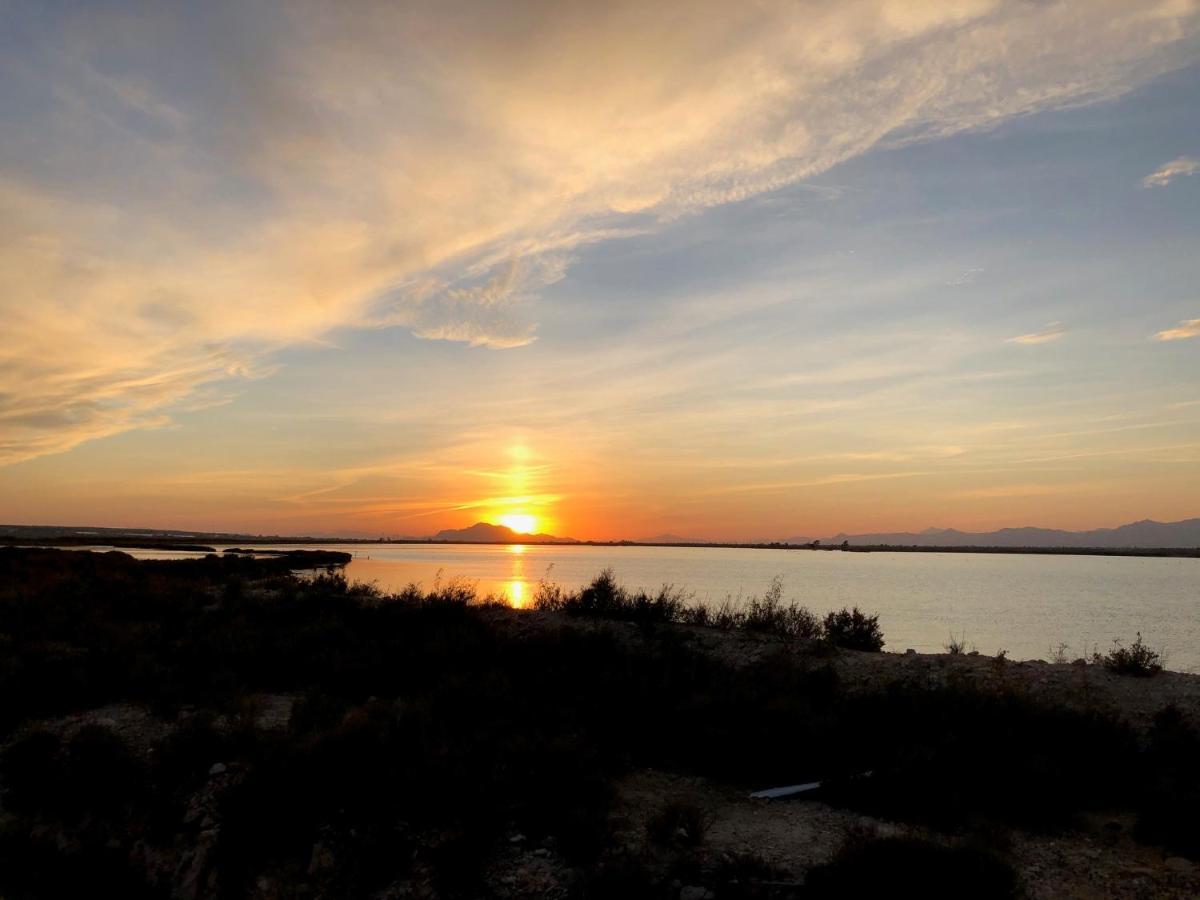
219,728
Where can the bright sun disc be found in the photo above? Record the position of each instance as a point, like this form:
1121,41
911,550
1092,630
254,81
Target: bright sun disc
520,522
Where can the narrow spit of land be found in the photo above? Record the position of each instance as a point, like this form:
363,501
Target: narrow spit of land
247,542
215,727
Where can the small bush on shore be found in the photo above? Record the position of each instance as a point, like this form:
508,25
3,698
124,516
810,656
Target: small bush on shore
605,598
1137,659
771,615
854,630
957,646
678,822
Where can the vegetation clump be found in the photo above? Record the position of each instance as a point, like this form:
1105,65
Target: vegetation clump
911,867
678,822
1137,659
605,598
854,630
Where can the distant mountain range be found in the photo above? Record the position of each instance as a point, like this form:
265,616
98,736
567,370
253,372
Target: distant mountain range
487,533
1145,534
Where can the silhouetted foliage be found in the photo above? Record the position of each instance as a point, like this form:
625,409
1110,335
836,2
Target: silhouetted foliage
604,598
678,822
854,630
1167,806
910,867
425,726
1136,659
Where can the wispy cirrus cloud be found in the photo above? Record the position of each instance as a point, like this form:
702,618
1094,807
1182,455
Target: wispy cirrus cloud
255,177
1188,328
1052,332
968,276
1168,172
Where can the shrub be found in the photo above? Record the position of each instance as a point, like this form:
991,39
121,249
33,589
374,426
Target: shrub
770,615
727,617
101,774
604,598
32,769
678,822
1136,659
746,875
910,867
854,630
957,646
1167,808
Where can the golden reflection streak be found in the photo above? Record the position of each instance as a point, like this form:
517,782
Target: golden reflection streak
516,586
516,594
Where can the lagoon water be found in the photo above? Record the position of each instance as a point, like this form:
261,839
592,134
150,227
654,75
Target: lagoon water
1026,604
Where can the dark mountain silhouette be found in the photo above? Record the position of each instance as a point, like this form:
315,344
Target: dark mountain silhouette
1145,534
487,533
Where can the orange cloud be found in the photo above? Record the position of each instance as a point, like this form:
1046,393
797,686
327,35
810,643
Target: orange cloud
1188,328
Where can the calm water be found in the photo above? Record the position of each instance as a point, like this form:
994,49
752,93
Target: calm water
1025,604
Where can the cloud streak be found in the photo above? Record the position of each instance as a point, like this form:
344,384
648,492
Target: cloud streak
1168,172
222,186
1188,328
1053,332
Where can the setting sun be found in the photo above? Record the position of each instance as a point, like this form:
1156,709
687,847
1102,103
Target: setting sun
522,523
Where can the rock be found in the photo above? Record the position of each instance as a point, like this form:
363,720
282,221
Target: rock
910,652
541,851
1079,662
681,834
217,769
1179,865
517,839
695,892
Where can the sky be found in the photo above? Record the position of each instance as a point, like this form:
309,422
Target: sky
740,271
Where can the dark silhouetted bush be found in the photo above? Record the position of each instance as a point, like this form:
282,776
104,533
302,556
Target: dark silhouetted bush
604,598
1137,659
678,822
771,615
1167,806
910,867
33,772
853,630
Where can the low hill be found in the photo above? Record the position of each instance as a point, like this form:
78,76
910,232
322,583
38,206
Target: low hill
487,533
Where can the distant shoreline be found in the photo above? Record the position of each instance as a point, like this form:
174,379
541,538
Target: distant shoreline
189,544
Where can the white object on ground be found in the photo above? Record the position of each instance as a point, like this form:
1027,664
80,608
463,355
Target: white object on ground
790,790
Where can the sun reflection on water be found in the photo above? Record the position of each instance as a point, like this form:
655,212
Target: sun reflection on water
516,585
516,594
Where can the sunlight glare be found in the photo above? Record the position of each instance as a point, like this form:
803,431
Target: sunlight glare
522,523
